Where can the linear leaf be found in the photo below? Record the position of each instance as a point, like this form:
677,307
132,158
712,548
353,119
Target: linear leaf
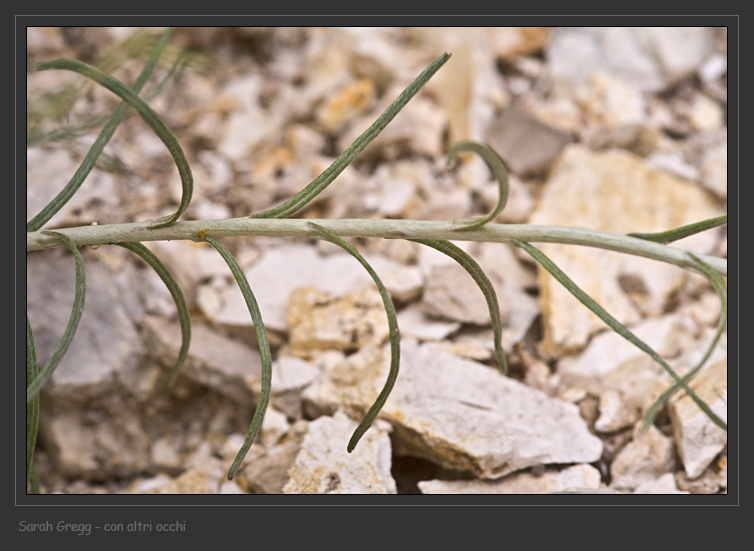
499,171
684,231
302,198
476,272
180,302
264,352
149,116
32,407
99,144
73,322
722,290
34,482
395,337
615,325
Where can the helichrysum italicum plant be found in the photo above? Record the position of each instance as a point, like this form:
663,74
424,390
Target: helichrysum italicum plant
277,221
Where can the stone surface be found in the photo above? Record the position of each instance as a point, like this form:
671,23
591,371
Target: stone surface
714,169
611,363
337,273
650,58
615,412
444,408
290,375
644,460
317,321
413,322
610,191
265,469
225,365
106,350
48,172
697,438
527,145
323,466
451,294
663,485
576,476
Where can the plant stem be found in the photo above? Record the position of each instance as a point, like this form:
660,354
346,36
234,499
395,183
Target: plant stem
389,229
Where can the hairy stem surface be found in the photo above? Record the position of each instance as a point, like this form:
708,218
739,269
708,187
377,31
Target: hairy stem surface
396,229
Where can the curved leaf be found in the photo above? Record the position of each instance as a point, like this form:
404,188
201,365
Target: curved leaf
684,231
264,352
180,302
98,146
485,285
73,322
395,337
149,116
499,171
302,198
615,325
32,407
722,290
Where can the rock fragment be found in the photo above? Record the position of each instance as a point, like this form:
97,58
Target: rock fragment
323,466
697,438
611,191
644,460
458,413
576,476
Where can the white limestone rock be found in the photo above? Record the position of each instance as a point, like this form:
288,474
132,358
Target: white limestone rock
215,361
663,485
649,58
265,468
105,357
49,171
248,124
323,466
714,169
551,480
414,323
279,271
643,460
289,376
611,191
697,438
610,362
451,294
458,413
616,412
318,321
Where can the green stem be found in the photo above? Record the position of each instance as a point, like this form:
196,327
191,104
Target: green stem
391,229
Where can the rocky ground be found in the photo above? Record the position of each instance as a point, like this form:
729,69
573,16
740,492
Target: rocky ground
618,129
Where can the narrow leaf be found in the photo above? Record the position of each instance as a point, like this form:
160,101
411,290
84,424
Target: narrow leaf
476,272
180,302
722,290
615,325
98,146
34,482
499,171
302,198
684,231
149,116
32,407
73,322
264,352
395,337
